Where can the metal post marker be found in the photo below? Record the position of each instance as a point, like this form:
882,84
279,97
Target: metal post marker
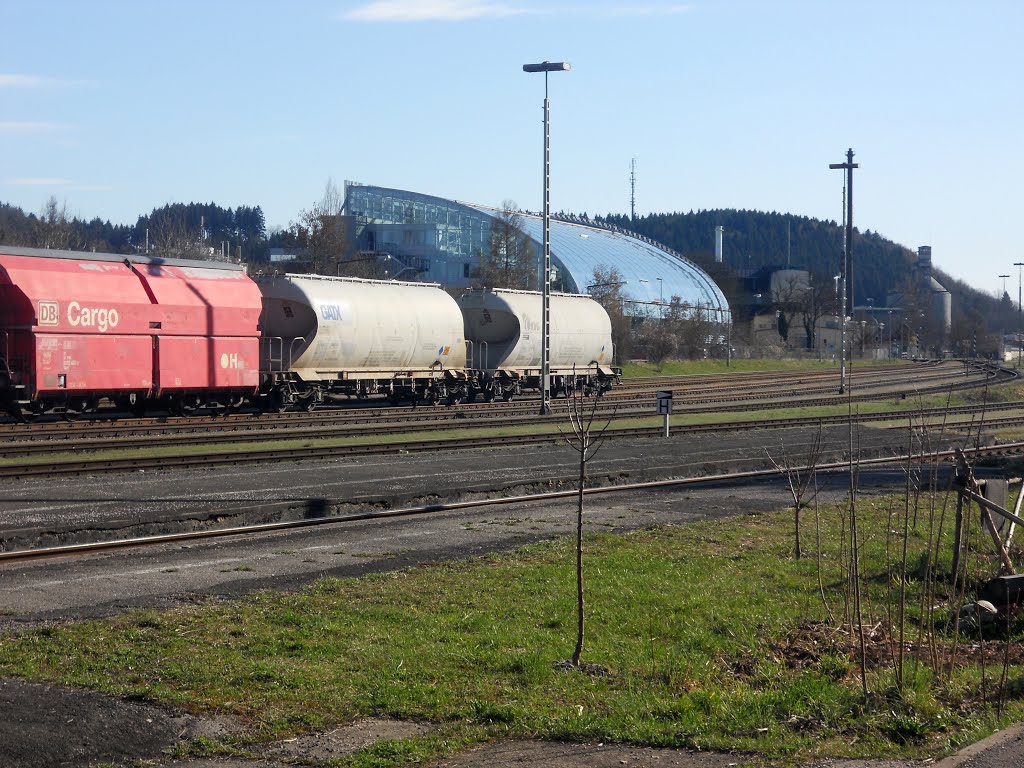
665,407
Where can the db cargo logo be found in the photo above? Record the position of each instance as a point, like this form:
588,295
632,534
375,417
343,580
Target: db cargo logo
49,313
100,318
232,361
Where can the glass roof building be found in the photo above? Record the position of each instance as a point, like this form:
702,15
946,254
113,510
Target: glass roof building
440,240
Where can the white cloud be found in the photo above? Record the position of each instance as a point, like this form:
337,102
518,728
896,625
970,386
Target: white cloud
39,181
462,10
432,10
33,81
25,127
649,9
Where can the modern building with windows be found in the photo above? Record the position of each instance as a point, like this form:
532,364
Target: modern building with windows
440,240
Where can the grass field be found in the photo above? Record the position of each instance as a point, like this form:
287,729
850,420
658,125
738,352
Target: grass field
738,365
705,635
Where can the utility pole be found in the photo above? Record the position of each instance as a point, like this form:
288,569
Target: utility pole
848,166
1020,341
1002,325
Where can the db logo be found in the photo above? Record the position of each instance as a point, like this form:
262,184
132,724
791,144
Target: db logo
49,313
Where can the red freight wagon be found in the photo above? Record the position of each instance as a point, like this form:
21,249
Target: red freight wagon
77,327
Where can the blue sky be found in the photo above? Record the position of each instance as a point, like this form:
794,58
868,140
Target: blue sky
118,107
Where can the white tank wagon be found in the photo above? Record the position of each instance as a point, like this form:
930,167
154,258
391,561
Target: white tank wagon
331,336
504,334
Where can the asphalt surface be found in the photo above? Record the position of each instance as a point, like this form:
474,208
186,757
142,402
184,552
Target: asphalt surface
118,505
55,510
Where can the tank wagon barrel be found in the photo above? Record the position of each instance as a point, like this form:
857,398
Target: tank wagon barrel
503,329
333,336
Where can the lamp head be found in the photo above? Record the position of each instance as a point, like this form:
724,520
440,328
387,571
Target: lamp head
548,66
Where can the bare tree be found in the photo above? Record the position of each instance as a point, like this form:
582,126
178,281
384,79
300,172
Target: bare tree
819,301
691,326
325,233
171,236
55,229
586,445
800,481
606,289
509,261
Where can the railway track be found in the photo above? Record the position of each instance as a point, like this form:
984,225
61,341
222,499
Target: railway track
688,399
961,417
191,443
98,439
1009,449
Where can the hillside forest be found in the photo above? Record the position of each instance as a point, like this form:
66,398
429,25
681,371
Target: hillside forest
752,240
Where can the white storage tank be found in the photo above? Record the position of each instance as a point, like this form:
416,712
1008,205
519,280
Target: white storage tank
504,330
329,327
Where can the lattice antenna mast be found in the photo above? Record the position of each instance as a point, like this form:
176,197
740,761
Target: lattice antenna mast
632,191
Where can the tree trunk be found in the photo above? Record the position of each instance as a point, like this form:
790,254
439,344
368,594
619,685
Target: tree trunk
585,445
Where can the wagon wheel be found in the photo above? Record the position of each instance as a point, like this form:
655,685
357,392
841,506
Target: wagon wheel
432,397
471,394
34,411
275,401
488,395
455,399
508,394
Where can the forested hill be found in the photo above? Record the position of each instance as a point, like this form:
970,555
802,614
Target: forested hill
178,229
754,239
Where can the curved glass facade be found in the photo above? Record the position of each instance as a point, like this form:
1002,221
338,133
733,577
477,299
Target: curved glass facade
443,238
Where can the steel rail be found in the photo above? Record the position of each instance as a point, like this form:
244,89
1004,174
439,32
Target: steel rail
254,456
354,429
694,387
267,423
246,530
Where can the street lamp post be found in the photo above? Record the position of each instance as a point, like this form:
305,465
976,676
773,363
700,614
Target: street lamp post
661,296
728,341
888,354
545,354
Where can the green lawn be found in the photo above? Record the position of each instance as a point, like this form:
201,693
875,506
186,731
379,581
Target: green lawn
631,370
706,635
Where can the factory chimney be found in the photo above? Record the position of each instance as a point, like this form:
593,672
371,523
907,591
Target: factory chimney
924,261
718,244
